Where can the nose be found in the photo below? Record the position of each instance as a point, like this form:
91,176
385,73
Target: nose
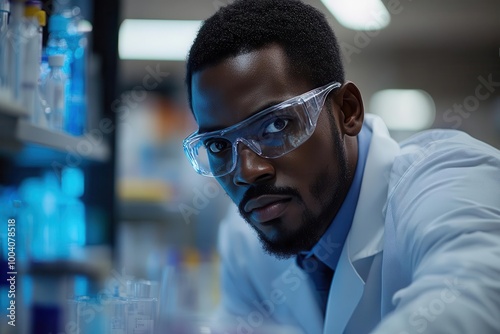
251,168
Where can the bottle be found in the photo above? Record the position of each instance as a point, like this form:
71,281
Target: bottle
57,42
55,92
67,37
16,43
4,14
73,209
43,111
77,43
4,20
34,21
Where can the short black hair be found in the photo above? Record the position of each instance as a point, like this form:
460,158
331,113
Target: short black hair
246,25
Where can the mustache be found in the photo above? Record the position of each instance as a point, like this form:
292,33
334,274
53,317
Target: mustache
266,189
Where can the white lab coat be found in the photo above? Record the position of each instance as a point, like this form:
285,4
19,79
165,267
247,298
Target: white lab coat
422,255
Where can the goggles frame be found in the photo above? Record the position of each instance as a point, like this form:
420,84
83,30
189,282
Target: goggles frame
312,103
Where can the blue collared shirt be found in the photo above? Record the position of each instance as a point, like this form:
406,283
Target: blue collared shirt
329,247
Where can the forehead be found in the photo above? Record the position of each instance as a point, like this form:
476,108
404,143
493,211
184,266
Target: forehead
240,86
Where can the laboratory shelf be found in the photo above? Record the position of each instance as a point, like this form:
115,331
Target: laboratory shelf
9,108
130,210
63,268
33,144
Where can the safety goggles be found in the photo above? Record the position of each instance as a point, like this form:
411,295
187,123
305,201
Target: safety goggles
271,133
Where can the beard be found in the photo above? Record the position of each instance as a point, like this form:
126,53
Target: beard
313,226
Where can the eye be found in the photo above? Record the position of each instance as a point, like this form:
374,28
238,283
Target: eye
277,125
217,145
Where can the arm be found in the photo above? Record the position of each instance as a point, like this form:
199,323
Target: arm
446,210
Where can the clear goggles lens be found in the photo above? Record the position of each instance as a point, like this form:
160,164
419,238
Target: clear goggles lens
270,133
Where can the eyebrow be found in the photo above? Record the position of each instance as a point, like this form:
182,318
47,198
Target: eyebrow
215,128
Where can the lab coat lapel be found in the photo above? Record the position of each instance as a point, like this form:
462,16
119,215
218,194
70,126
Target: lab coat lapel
345,293
365,239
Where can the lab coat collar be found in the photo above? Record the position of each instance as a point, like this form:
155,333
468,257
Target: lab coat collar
367,231
365,239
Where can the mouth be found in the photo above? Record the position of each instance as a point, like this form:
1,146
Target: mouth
264,209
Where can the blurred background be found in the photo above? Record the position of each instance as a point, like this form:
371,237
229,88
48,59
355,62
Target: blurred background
103,199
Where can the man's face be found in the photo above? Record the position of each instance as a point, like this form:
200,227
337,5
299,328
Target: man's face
291,200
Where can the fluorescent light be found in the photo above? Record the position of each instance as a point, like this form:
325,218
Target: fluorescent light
359,14
404,109
156,39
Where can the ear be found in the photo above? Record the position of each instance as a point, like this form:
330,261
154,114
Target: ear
350,108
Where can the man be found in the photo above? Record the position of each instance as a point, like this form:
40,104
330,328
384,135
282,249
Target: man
353,232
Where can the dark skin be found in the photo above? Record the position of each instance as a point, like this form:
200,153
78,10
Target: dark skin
291,200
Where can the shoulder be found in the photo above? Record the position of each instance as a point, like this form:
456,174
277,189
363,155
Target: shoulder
437,150
453,144
444,184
